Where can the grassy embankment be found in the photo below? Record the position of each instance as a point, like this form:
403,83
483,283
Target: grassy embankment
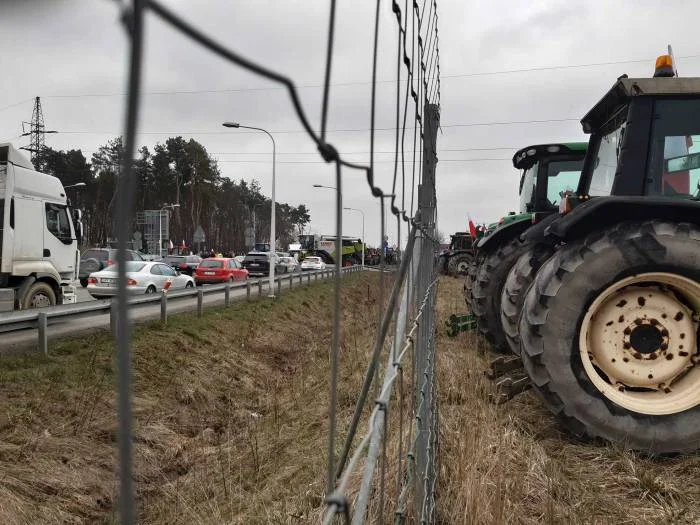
230,415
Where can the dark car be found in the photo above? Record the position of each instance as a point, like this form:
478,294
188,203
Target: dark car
96,259
258,263
183,263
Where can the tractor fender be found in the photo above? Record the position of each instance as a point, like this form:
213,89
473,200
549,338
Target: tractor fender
601,212
535,234
503,234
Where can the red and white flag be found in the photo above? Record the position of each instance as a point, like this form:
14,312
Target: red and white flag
472,228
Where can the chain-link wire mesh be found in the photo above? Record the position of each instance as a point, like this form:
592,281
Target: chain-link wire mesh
402,487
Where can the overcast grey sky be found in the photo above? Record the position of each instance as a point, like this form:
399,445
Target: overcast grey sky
72,53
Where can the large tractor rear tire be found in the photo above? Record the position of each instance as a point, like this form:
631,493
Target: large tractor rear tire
487,288
516,286
469,281
459,264
609,334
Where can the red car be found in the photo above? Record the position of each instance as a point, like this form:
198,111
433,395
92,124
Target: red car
219,270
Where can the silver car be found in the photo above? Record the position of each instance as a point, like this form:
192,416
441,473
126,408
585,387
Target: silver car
142,278
290,263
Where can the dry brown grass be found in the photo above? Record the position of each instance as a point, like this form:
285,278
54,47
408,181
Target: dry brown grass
513,464
231,427
230,415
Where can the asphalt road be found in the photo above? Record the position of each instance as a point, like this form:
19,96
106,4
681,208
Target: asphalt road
23,340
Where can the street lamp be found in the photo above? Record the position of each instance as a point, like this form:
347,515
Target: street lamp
273,244
363,233
76,185
160,226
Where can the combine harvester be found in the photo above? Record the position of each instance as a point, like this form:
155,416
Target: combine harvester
323,246
607,315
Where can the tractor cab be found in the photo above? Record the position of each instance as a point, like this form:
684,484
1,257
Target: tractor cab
461,241
644,151
548,170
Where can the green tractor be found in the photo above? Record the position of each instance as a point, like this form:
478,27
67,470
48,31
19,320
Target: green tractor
548,171
610,322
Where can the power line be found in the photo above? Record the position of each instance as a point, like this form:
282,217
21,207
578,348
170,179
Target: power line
342,84
325,163
349,130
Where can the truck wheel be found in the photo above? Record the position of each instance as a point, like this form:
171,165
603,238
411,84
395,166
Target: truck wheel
486,292
517,283
83,283
459,264
39,295
610,335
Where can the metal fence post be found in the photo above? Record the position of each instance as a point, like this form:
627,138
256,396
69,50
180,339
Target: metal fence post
247,290
200,303
164,307
279,285
43,320
260,288
227,295
301,276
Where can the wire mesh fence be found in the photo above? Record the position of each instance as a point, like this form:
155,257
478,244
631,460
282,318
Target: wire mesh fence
386,467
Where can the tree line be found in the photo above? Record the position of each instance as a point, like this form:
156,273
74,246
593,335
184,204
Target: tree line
177,171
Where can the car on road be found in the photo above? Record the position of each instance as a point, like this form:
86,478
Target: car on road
143,277
258,263
186,264
96,259
219,270
313,263
291,264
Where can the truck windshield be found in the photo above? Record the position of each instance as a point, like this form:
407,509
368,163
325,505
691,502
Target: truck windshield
527,187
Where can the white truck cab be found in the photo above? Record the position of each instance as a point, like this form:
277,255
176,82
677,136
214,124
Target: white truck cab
39,234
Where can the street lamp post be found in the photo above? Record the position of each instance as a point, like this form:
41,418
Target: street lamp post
273,244
160,226
363,233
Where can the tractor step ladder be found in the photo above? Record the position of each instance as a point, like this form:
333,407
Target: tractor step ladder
510,376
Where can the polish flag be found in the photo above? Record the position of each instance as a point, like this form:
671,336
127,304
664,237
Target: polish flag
472,228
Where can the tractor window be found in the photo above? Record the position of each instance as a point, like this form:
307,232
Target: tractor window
606,162
527,188
562,176
673,169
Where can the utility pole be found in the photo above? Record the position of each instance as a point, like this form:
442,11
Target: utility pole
423,362
36,133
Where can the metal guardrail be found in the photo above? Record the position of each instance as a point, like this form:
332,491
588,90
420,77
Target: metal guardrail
41,318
